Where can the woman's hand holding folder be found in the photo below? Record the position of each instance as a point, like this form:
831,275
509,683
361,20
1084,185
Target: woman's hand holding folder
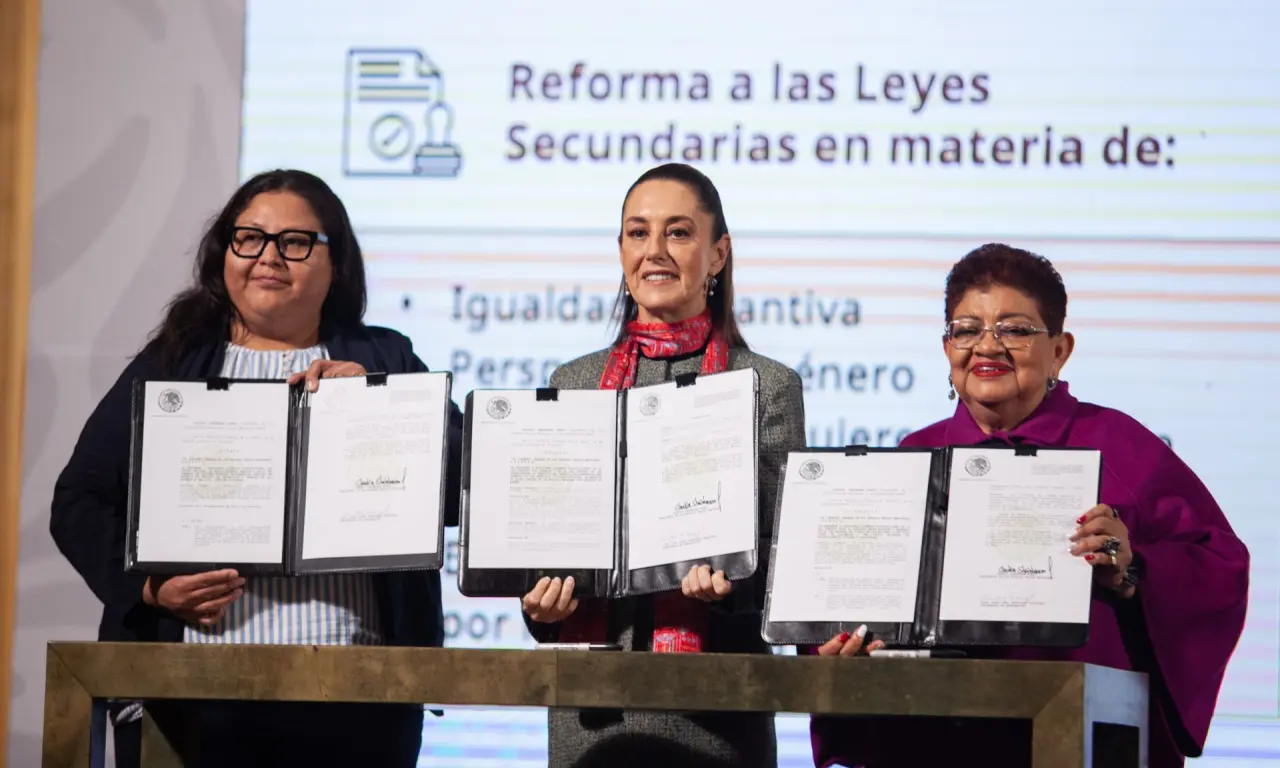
199,598
550,600
850,644
701,584
326,369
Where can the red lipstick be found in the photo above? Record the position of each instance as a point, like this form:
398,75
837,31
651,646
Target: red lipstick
989,369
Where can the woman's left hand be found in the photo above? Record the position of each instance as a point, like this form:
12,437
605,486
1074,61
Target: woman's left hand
1103,540
326,369
702,584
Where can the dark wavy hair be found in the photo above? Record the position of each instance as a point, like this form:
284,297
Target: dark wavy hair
204,313
721,301
999,264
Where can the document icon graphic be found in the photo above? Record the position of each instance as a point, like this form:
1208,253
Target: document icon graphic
397,122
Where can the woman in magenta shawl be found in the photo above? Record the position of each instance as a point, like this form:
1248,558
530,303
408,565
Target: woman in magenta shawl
1171,577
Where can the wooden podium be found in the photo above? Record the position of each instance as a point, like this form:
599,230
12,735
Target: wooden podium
1065,702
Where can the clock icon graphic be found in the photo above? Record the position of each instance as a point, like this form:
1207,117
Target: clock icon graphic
391,136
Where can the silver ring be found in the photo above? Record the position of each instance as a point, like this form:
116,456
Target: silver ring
1110,547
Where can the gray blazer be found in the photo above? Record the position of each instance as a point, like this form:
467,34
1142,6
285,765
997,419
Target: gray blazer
668,738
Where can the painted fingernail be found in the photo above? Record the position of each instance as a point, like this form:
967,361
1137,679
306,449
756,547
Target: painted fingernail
1089,558
844,637
1080,519
861,631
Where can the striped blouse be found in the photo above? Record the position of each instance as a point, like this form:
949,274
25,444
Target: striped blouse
327,609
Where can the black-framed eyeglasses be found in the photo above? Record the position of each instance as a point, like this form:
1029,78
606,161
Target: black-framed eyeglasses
293,244
967,334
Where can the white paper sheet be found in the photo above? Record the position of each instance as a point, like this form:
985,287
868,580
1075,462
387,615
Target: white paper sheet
543,480
691,470
374,460
213,473
1009,521
849,537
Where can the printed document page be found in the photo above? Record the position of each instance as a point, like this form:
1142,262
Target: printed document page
374,460
213,473
1009,519
849,537
543,480
691,470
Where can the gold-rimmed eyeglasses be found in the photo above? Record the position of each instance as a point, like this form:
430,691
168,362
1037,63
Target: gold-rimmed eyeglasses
967,334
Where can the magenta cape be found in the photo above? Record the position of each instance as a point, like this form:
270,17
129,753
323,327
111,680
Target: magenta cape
1181,628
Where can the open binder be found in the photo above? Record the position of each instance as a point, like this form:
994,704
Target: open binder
927,624
502,556
223,474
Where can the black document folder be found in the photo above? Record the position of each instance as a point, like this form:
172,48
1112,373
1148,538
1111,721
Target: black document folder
928,625
219,475
615,574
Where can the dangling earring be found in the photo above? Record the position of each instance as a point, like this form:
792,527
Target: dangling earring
1053,382
952,395
711,286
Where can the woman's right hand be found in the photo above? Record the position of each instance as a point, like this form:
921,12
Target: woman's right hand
200,598
550,600
846,644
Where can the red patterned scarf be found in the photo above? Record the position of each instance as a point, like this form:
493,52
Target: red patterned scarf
659,341
590,623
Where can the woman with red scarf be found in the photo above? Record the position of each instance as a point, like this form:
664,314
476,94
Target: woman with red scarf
675,308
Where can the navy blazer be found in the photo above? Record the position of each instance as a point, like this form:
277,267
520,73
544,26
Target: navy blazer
91,495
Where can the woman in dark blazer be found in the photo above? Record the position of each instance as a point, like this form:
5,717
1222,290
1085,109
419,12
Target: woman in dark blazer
675,305
279,294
